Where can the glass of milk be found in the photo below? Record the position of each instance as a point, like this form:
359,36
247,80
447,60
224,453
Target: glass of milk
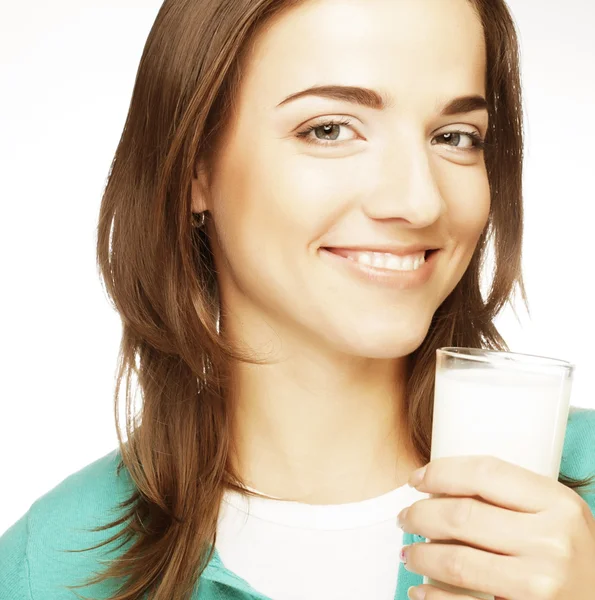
508,405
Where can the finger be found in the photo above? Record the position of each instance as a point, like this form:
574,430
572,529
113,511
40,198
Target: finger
476,523
497,481
433,593
468,568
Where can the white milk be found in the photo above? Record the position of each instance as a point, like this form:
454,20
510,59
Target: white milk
516,415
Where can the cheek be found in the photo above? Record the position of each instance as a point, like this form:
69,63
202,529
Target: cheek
266,214
469,208
313,193
471,222
285,202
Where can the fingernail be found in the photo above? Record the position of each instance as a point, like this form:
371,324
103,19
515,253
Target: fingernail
401,517
417,476
416,593
403,555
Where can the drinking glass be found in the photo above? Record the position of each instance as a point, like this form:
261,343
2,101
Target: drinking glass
508,405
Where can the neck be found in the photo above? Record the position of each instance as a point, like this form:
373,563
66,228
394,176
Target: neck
321,430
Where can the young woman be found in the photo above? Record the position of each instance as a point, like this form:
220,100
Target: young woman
294,222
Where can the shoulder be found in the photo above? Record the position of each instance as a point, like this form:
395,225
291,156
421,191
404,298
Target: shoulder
36,553
578,454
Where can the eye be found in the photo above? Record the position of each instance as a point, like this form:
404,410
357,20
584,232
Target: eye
454,137
325,132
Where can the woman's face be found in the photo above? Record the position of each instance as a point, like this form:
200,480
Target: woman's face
337,170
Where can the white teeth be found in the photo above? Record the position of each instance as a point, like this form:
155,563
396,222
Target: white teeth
392,262
378,260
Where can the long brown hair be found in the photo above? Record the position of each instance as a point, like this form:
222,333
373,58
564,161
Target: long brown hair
159,273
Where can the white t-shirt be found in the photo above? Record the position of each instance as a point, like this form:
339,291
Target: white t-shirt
297,551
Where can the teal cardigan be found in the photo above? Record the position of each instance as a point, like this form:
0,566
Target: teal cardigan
34,566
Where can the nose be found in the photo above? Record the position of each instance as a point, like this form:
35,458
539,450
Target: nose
406,189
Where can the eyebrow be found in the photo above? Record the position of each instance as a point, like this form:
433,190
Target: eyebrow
373,99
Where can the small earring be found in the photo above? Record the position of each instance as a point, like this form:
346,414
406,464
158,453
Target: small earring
198,222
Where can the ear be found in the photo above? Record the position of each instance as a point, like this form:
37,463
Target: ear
200,189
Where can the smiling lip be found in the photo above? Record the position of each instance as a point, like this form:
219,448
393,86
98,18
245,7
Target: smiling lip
388,249
400,280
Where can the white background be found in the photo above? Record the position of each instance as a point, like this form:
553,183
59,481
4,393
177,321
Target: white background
67,73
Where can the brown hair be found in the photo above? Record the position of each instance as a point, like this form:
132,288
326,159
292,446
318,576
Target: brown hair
160,275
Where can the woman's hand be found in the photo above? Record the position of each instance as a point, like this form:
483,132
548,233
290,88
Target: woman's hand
533,538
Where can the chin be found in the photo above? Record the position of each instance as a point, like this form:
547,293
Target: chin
385,344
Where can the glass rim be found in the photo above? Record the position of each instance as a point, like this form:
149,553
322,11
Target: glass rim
488,356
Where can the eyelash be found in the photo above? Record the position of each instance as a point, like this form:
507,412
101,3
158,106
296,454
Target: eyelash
478,142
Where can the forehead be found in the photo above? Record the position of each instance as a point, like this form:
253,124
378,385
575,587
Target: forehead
413,48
